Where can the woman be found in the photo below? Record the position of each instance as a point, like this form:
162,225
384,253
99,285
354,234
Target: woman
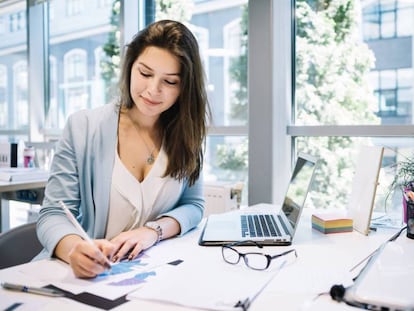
130,172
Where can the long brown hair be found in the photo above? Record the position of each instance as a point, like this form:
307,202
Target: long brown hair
184,125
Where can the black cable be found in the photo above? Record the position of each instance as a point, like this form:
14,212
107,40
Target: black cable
395,236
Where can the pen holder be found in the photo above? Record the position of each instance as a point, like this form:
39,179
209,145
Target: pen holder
410,218
405,202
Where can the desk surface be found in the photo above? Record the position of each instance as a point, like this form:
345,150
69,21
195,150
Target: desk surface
9,189
322,259
6,186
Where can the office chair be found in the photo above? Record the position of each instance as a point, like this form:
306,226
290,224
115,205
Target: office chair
19,245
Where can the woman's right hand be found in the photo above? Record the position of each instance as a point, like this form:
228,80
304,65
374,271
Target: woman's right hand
86,260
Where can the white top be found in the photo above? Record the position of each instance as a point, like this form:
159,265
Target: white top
133,203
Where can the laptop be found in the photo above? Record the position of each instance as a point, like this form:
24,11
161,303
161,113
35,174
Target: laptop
274,226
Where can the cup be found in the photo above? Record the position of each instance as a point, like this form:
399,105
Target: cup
28,156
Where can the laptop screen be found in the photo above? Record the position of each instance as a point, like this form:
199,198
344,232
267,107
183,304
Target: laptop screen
298,188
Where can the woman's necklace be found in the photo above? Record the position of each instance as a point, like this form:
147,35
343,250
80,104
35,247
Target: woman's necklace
151,158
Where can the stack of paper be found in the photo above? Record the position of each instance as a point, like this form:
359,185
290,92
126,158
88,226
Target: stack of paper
331,222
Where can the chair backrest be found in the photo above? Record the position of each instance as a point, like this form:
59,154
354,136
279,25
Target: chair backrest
19,245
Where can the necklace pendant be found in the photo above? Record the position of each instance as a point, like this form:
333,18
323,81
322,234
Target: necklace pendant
150,159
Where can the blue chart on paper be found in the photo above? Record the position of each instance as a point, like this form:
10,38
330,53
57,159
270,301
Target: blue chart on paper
120,268
128,266
136,279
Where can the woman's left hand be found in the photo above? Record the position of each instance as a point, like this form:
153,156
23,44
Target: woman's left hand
131,243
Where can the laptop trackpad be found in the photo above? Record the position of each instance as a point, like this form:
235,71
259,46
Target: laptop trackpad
222,228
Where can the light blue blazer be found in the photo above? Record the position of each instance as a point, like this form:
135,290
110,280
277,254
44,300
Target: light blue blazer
81,174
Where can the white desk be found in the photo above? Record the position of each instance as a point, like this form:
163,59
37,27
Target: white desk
320,258
12,191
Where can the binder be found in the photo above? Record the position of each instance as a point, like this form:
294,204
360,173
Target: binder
8,154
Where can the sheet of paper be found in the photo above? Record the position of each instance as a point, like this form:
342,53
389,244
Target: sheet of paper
213,283
122,279
21,303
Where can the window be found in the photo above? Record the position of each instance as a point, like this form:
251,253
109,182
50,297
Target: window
236,89
74,7
347,89
74,65
75,88
2,25
3,96
20,95
394,90
104,3
54,116
13,71
387,18
222,37
17,21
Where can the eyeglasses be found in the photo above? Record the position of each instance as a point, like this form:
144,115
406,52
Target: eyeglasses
254,260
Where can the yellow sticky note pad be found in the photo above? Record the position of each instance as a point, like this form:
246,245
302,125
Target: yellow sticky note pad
331,222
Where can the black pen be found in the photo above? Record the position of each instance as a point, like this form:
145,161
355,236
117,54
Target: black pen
33,290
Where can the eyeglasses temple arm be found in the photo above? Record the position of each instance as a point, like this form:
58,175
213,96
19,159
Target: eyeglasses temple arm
285,253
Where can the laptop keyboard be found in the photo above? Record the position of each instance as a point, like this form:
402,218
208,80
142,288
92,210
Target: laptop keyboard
261,226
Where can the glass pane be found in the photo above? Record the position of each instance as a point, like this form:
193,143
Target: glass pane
222,37
405,77
404,102
388,102
225,60
371,21
405,22
388,24
77,61
226,160
405,4
334,83
373,77
334,175
14,109
388,79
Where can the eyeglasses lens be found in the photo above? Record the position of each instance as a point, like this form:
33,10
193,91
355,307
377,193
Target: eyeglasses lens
230,255
256,261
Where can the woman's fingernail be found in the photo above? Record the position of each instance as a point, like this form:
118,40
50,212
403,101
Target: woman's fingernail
115,258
